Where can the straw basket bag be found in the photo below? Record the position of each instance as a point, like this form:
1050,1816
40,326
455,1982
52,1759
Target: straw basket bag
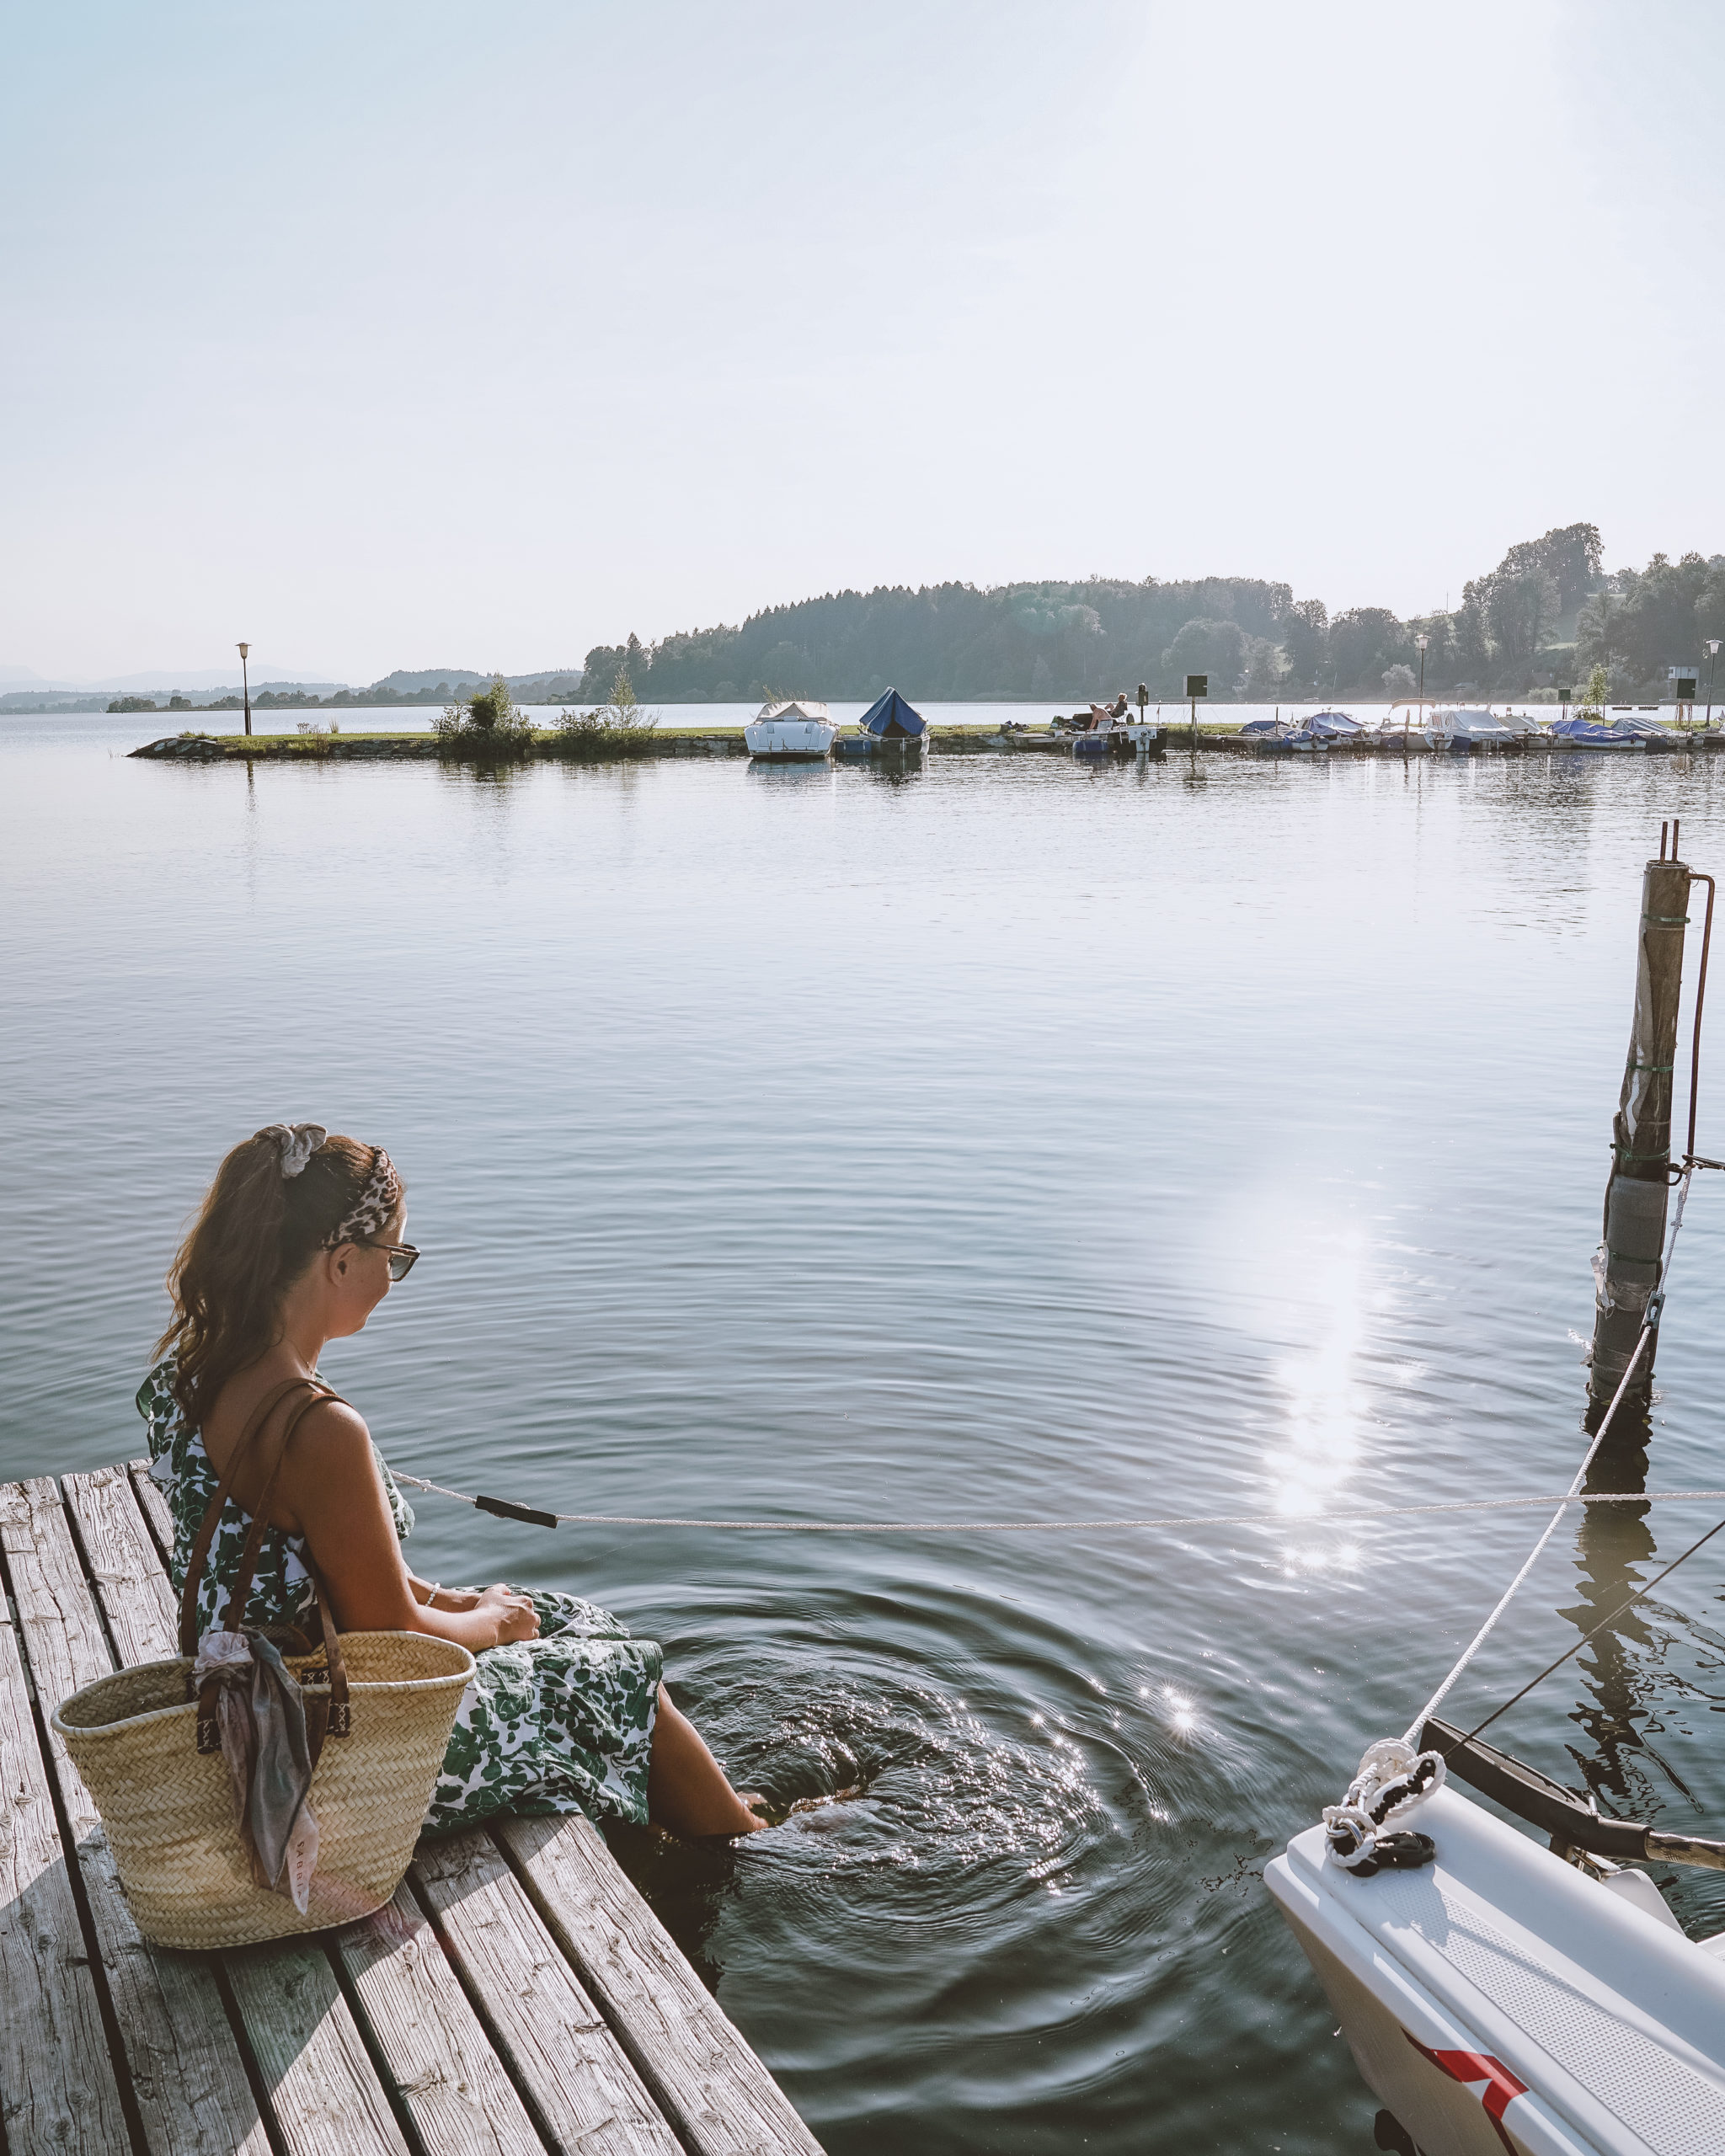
150,1753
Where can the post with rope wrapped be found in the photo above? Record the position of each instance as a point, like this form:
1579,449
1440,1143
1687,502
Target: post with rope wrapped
1626,1266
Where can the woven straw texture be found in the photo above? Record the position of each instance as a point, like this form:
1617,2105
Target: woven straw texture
169,1809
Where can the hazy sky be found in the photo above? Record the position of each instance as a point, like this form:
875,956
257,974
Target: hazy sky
428,335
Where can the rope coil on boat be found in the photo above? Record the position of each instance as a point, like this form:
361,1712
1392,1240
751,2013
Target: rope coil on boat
1393,1782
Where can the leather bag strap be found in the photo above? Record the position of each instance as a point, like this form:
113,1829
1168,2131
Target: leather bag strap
327,1715
242,1592
207,1530
327,1710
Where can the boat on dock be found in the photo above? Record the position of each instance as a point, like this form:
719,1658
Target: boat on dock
790,731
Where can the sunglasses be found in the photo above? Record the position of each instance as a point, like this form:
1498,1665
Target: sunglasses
402,1258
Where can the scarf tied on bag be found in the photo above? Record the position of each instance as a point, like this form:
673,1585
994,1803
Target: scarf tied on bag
261,1716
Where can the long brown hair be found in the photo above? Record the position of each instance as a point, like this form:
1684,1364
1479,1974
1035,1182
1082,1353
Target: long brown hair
256,1233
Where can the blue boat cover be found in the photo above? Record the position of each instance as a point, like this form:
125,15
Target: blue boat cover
1262,726
891,719
1589,729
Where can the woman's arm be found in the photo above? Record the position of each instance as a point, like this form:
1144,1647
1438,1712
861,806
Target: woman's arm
433,1594
337,1497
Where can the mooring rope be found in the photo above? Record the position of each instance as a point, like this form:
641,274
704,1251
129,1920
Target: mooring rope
505,1508
1604,1624
1655,1303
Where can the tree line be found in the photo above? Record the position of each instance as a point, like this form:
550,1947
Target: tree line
1546,614
1538,622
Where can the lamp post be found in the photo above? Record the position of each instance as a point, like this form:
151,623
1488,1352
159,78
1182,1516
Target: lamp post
1712,661
1419,644
244,653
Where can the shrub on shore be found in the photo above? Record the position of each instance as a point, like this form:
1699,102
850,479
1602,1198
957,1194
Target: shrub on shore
618,729
490,721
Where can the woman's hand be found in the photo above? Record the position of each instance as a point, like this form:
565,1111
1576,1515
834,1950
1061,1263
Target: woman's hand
513,1614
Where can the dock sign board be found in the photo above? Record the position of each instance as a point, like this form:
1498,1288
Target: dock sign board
1685,688
1197,685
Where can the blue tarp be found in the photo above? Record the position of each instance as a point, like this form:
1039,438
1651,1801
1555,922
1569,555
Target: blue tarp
1589,729
892,718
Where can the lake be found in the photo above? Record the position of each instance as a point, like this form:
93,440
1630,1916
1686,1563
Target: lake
1005,1140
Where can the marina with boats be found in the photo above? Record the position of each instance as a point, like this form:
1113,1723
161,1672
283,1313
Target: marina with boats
808,731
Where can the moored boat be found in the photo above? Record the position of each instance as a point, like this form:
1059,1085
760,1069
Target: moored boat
1586,731
1463,726
790,731
1499,1995
1323,729
891,722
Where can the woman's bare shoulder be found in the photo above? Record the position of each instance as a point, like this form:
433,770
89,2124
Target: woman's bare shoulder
332,1433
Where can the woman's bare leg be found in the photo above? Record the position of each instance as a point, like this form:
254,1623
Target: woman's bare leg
686,1789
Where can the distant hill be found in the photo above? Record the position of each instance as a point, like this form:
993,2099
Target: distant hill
440,680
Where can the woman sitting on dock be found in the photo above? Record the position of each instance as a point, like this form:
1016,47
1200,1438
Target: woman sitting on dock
297,1243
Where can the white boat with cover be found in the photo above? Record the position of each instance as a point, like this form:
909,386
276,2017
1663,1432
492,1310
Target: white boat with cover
790,731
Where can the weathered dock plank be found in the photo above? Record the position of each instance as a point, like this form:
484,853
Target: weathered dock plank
320,2081
588,2098
130,1581
58,2091
187,2074
154,1506
461,2101
693,2058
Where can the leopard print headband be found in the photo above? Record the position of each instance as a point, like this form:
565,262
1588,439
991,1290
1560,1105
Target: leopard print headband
376,1205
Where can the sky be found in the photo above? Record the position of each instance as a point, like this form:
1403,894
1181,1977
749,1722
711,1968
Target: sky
474,335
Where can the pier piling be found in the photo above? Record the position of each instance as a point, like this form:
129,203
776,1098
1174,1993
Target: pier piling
1627,1266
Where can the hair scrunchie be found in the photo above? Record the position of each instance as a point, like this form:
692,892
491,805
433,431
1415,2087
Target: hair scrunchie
298,1142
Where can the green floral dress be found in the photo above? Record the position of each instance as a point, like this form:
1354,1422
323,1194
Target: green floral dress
562,1723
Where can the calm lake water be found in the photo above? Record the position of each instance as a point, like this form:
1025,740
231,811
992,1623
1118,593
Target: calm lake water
1007,1140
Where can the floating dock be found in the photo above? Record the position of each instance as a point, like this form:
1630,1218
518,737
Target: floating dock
517,1996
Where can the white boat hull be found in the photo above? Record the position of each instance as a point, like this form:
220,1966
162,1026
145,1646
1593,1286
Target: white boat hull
1500,1998
793,741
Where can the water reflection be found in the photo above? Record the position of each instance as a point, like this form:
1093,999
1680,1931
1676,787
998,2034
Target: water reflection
1614,1549
1324,1400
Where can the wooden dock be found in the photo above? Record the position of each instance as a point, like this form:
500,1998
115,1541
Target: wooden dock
517,1996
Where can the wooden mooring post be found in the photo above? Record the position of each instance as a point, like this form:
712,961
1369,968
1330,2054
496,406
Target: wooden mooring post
1626,1268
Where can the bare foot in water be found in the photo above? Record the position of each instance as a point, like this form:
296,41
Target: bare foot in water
779,1814
820,1803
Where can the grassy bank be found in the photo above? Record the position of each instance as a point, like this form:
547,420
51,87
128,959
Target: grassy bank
542,744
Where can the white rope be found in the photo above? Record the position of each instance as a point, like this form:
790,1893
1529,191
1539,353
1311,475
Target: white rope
1288,1521
1411,1734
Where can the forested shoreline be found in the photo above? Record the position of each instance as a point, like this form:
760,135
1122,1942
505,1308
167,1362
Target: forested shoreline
1548,612
1539,621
